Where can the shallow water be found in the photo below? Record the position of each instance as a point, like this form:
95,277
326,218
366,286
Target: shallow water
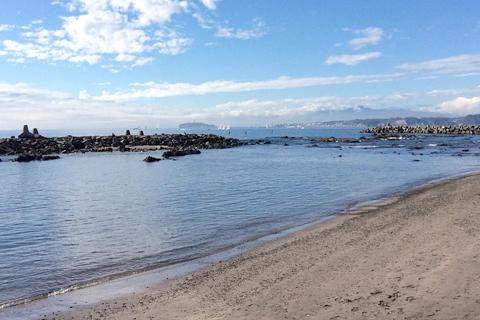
91,216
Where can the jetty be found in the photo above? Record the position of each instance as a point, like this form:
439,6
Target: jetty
429,129
33,146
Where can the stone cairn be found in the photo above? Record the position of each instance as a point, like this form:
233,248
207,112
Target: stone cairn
447,130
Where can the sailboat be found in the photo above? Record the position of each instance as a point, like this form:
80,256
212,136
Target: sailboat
223,127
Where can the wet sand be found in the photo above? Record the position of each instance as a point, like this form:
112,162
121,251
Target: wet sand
415,258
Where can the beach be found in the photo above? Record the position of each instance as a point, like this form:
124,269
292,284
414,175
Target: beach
416,257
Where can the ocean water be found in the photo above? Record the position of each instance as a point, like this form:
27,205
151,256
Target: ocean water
91,217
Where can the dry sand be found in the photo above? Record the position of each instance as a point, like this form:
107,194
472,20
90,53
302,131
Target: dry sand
416,258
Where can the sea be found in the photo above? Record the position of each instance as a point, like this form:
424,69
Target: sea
93,218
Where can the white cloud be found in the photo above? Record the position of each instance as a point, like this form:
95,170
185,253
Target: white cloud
459,106
21,51
258,30
460,64
6,27
168,42
301,107
367,36
151,90
142,61
454,92
210,4
118,30
101,27
122,57
352,59
21,103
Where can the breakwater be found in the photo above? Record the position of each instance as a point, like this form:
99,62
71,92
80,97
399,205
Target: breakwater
32,146
447,130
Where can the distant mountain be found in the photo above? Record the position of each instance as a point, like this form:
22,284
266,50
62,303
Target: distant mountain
196,125
410,121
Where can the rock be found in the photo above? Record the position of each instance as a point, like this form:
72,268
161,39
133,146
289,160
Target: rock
27,158
141,133
151,159
178,144
25,134
127,133
384,131
328,139
180,153
50,157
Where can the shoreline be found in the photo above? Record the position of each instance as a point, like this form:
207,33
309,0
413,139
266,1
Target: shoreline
163,276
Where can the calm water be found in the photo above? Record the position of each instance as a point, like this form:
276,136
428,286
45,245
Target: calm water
90,216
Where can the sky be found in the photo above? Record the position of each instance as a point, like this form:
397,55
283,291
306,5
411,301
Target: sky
146,63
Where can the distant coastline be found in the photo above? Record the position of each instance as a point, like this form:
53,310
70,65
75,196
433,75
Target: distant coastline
473,119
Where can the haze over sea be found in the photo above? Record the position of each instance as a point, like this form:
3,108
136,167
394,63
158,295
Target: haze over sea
90,216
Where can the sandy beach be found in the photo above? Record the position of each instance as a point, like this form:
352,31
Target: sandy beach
415,258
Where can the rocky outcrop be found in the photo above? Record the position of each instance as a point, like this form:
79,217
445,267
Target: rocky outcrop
35,157
152,159
50,157
177,144
180,152
342,140
447,130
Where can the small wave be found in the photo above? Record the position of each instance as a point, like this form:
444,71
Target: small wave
62,291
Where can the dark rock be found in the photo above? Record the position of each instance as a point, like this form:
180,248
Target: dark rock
141,133
50,157
179,153
151,159
178,144
77,143
25,134
386,130
27,158
127,133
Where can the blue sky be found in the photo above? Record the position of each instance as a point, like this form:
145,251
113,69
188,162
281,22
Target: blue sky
125,63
